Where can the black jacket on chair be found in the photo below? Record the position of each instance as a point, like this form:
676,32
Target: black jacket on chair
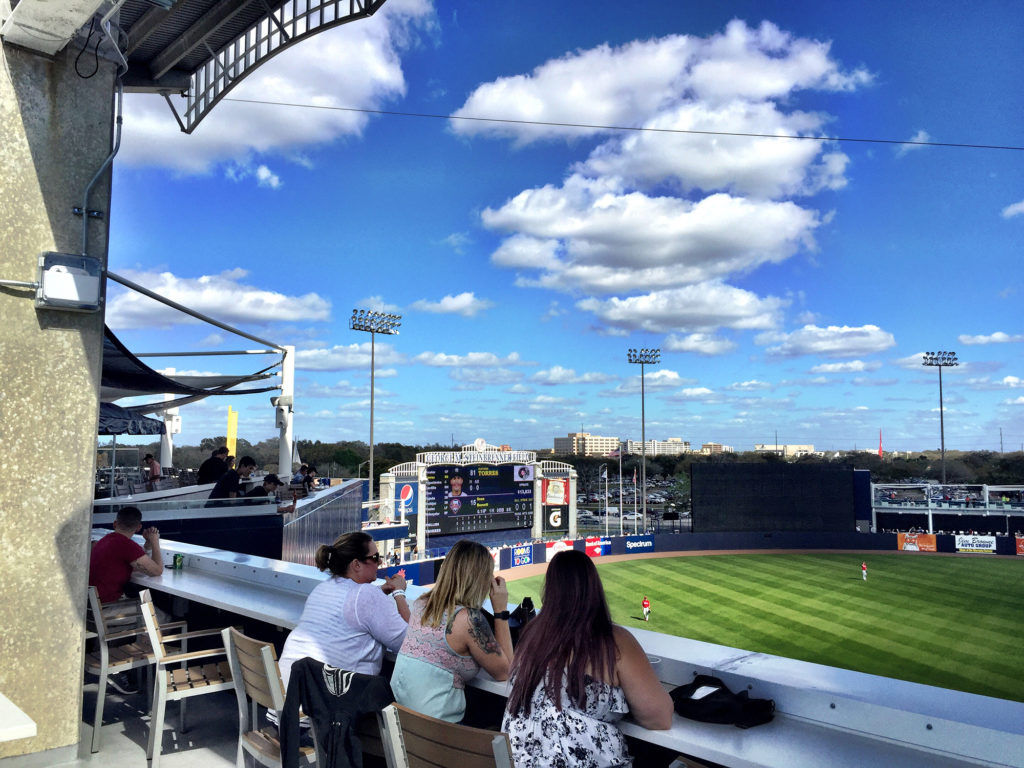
334,700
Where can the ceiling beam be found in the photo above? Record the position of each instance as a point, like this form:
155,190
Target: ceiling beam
194,36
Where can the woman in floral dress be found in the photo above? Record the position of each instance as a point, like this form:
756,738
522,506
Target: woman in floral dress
576,674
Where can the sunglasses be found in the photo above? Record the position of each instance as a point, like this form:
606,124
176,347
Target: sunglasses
375,557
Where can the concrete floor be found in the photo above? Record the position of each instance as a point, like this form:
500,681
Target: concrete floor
211,740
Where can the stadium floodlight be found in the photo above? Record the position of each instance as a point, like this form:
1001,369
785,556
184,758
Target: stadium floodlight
373,323
643,357
941,360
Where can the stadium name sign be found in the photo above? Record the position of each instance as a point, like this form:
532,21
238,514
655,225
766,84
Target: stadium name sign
985,544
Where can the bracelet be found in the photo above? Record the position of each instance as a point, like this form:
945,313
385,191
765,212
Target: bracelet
397,592
503,615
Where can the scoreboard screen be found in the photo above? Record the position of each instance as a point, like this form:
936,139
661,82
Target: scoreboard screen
478,497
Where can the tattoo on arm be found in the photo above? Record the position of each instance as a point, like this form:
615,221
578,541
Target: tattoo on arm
481,632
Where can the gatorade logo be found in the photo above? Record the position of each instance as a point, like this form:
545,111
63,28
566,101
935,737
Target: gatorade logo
555,519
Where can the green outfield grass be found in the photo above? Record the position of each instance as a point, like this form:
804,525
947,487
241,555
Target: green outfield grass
953,622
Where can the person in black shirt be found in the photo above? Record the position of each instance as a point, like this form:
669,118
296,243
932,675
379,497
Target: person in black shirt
269,487
211,470
230,484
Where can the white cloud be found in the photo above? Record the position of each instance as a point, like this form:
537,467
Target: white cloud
479,377
920,136
223,297
597,236
470,360
853,366
693,308
625,85
458,241
213,340
993,338
661,380
695,393
911,362
267,178
1015,401
1007,382
749,386
377,304
701,343
559,375
353,65
833,341
342,357
1013,210
465,304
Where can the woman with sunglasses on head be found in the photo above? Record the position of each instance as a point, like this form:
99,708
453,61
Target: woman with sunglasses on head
449,638
347,621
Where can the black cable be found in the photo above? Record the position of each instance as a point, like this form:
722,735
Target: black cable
626,127
96,51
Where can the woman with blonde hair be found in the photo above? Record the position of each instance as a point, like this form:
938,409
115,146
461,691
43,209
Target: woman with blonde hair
449,638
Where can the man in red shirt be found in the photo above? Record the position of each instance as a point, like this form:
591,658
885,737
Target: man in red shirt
646,605
864,570
115,557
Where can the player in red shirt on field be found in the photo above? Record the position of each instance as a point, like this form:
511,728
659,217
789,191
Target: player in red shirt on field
646,605
864,570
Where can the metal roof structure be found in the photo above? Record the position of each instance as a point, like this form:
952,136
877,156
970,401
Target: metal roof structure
200,49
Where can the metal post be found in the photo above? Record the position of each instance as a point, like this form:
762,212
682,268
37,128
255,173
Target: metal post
373,323
939,360
643,357
285,413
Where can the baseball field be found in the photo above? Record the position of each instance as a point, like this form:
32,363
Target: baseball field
949,621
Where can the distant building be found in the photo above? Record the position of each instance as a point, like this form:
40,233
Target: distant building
785,451
585,444
710,448
674,446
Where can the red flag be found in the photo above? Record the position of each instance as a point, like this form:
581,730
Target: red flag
634,475
879,443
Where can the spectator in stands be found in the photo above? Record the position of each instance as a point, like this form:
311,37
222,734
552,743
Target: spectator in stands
116,556
271,483
153,466
300,475
449,638
211,470
576,674
309,479
230,484
347,620
230,462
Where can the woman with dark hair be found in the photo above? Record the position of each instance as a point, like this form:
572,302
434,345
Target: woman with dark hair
347,621
449,638
576,674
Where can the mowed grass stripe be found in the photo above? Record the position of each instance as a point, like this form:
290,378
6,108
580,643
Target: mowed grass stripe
923,618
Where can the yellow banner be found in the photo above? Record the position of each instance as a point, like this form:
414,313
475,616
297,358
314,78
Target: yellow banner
232,431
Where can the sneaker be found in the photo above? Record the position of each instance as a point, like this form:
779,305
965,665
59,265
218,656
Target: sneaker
122,684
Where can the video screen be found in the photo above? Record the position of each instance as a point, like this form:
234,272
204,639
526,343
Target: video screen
478,497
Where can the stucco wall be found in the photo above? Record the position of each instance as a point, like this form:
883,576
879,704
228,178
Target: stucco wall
55,131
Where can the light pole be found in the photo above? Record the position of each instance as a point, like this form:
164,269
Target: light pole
373,323
940,360
603,475
643,357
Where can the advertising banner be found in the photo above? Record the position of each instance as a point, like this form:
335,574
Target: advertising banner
916,542
556,518
635,544
554,547
1020,545
406,499
972,543
597,546
555,491
522,555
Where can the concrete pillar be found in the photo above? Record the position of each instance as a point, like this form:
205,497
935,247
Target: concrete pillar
55,132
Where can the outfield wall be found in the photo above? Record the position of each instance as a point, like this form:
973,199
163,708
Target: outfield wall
530,553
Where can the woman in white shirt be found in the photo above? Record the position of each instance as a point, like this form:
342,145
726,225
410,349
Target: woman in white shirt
347,621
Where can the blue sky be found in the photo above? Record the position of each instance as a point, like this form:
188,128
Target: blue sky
792,286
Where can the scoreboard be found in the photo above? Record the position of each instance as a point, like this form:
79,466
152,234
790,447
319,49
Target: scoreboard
478,497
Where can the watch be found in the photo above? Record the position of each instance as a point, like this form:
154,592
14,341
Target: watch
503,615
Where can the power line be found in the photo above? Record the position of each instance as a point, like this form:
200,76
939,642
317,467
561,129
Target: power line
634,128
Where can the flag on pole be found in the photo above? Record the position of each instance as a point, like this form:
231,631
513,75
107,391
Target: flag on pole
879,443
604,473
634,475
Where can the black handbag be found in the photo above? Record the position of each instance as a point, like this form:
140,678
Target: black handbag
709,700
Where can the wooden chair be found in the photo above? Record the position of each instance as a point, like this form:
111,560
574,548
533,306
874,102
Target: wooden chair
257,683
113,625
418,741
178,683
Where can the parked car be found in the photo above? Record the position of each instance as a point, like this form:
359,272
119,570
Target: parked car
631,516
588,521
